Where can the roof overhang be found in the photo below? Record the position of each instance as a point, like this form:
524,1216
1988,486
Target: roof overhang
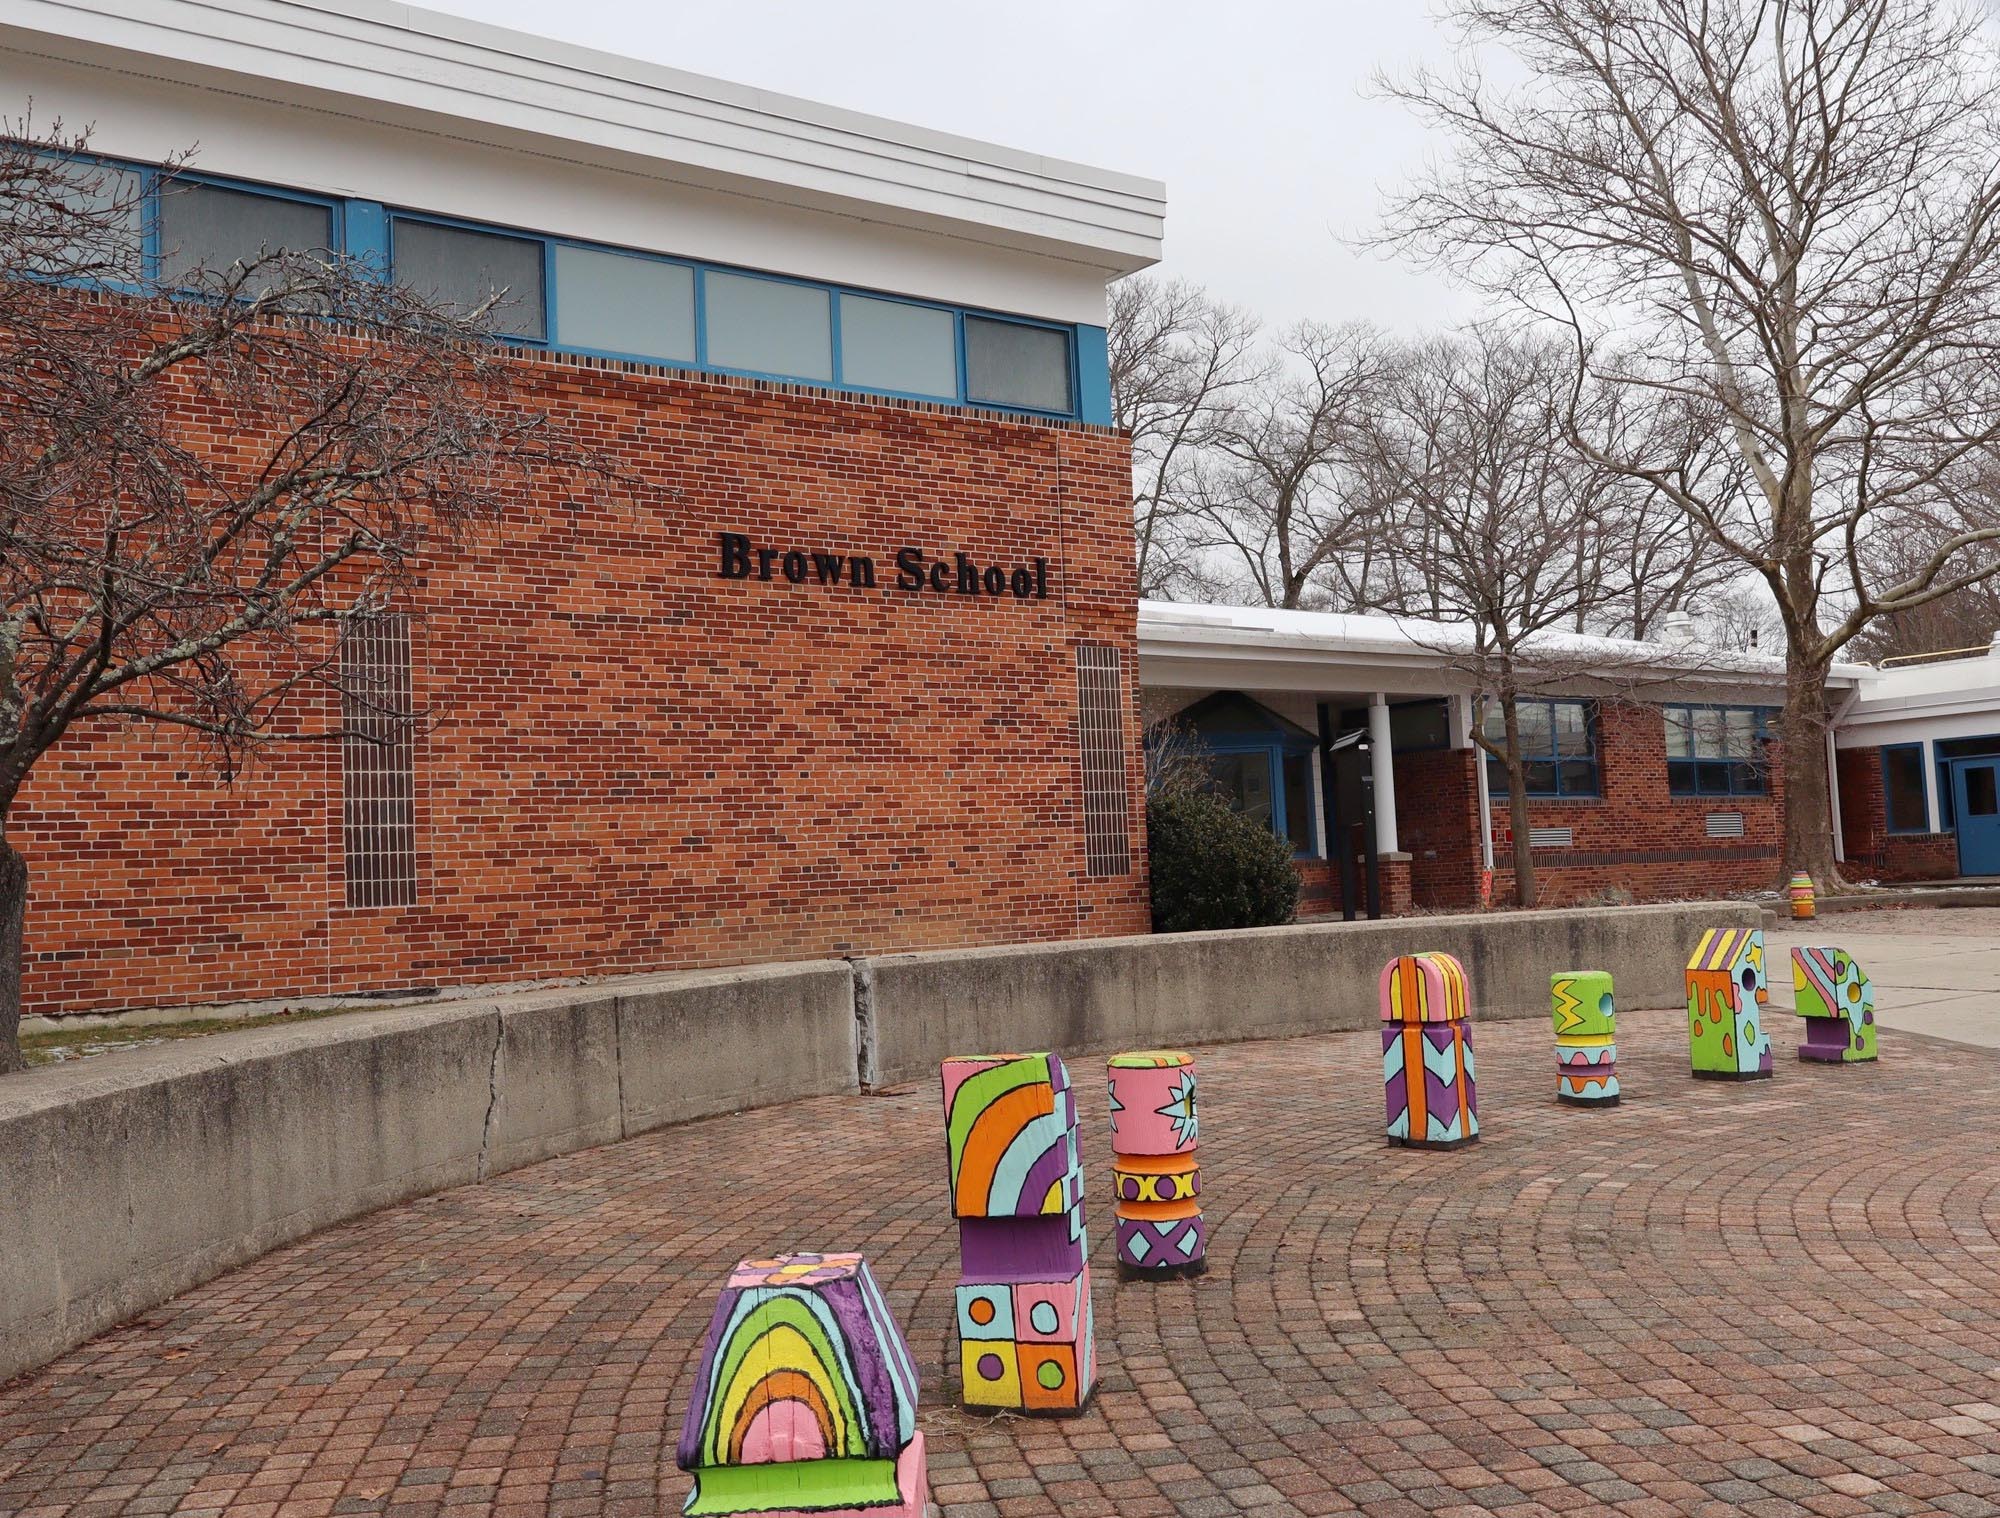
394,63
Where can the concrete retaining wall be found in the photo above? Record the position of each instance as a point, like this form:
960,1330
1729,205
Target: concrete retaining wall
1264,983
127,1179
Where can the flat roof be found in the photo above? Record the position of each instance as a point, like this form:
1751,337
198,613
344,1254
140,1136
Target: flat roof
405,65
1184,632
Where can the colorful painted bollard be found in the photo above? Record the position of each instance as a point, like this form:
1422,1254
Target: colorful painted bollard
1727,989
1154,1172
1586,1029
1024,1318
1805,901
1427,1070
806,1398
1837,1000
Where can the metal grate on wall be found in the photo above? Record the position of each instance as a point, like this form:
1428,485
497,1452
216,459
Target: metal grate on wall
1725,824
1100,709
1551,838
378,771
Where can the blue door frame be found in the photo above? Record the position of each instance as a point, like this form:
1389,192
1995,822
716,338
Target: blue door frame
1975,794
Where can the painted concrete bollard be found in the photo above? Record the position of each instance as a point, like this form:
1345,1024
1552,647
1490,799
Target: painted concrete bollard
1727,989
1586,1029
1427,1068
1837,999
1024,1317
1803,898
1154,1172
806,1398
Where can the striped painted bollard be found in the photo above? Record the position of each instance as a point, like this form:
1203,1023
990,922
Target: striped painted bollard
1427,1069
1586,1028
1154,1172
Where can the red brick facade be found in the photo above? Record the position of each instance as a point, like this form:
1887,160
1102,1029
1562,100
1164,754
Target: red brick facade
642,764
1639,840
1873,852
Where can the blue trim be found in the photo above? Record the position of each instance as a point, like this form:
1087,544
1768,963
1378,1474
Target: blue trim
1276,747
1496,768
365,230
1093,376
367,223
1677,786
1923,798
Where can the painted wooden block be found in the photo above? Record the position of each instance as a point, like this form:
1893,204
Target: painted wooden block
1586,1022
1155,1174
1837,999
1428,1077
1024,1313
1727,988
805,1400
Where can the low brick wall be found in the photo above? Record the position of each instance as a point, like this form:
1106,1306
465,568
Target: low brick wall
127,1179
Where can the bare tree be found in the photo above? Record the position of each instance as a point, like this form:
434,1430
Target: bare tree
1178,360
1969,617
150,573
1791,209
1291,489
1495,528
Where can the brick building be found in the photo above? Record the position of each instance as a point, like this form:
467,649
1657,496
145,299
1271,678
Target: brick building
850,664
1652,771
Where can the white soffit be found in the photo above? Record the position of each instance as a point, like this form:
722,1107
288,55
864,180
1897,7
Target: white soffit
413,67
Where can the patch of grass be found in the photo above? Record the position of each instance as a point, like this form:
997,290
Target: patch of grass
62,1045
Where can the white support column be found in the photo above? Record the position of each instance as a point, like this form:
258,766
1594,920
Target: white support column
1385,774
1460,710
1485,807
1319,804
1932,823
1833,797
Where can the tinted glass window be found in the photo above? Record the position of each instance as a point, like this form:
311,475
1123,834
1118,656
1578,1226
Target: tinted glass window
1558,747
459,269
206,228
1715,750
1982,792
768,327
1008,364
1298,801
1903,789
1244,781
103,235
620,304
887,345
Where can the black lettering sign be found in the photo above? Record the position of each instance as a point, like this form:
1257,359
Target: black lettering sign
956,574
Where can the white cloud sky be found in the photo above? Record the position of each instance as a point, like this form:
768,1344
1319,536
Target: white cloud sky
1255,115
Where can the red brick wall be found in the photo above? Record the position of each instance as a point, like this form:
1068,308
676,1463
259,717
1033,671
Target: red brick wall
1639,839
642,765
1437,824
1873,852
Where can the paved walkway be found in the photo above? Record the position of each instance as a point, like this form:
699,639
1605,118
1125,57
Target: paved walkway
1772,1299
1936,970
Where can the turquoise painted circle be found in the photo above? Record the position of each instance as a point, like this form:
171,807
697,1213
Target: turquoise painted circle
1043,1316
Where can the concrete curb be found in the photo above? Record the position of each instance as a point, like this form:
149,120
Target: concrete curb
128,1179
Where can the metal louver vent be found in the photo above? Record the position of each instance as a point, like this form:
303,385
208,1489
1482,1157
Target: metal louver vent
1725,824
1551,838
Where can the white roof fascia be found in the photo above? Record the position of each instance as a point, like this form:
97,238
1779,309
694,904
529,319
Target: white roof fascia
1388,648
402,64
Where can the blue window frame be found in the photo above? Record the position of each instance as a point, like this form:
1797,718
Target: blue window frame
209,217
1717,750
1558,749
1261,764
1944,750
905,347
1905,807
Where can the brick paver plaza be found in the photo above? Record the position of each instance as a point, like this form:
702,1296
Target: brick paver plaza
1769,1299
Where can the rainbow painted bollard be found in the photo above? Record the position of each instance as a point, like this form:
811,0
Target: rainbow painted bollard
1024,1316
1427,1070
1155,1175
805,1400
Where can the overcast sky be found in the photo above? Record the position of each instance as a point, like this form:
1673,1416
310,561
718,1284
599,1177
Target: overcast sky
1255,115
